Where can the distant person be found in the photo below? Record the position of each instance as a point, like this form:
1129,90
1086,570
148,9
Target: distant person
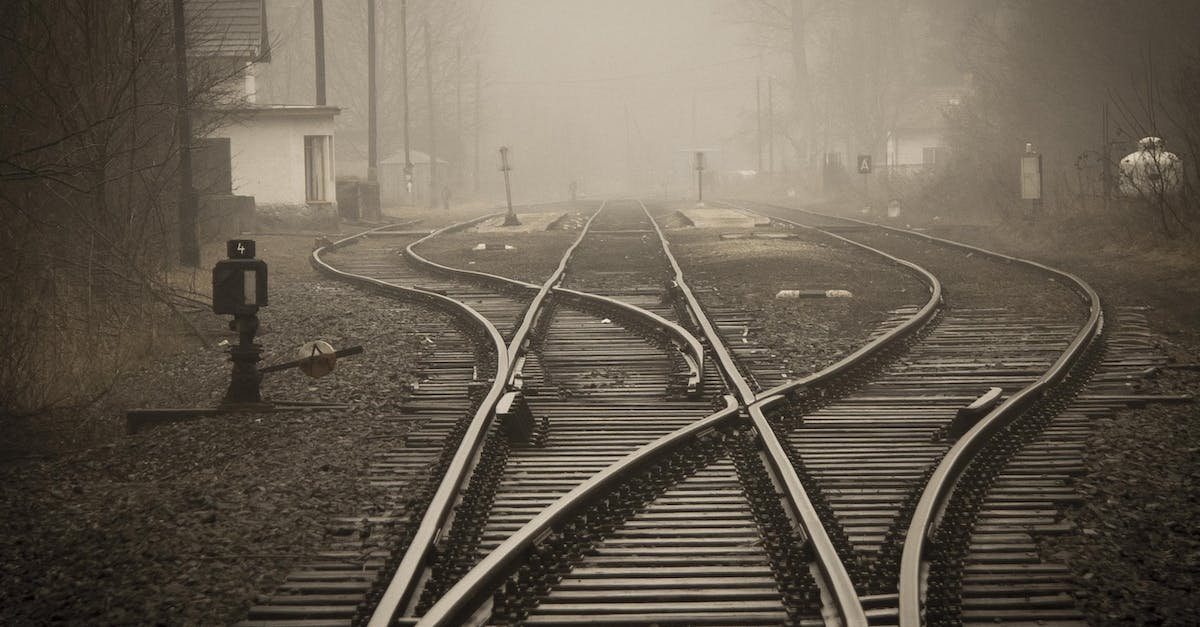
574,189
445,197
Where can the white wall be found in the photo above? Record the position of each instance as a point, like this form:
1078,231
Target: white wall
267,154
907,147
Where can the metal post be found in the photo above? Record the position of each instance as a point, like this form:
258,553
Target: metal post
319,48
245,380
432,118
699,177
511,218
189,247
372,127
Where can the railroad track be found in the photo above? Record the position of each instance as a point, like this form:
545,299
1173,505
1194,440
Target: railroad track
629,501
947,503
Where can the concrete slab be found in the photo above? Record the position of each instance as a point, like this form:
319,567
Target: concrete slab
720,218
530,222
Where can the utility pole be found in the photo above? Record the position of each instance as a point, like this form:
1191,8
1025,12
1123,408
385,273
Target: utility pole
189,247
458,131
628,152
699,177
319,48
770,125
432,118
478,122
372,129
1105,169
510,219
408,165
758,119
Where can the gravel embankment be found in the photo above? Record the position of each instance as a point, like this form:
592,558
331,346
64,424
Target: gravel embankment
185,523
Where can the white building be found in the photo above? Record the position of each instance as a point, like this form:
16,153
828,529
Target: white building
918,138
279,154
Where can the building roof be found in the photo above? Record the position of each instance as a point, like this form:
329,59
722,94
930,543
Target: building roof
927,110
228,28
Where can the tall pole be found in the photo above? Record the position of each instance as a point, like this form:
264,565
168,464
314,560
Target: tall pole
699,177
408,165
372,129
758,119
458,130
770,125
1105,170
189,247
432,117
319,48
478,121
628,152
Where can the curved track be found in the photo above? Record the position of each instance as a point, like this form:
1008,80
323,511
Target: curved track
631,502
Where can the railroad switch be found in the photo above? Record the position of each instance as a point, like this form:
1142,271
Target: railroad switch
239,289
516,419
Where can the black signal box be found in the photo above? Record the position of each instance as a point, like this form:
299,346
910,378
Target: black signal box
240,283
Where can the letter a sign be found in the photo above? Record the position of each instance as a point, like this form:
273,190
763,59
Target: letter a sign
864,164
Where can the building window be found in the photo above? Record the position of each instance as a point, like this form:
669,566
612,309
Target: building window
316,167
929,156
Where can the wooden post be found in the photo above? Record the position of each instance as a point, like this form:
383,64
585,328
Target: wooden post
372,125
432,118
408,166
189,247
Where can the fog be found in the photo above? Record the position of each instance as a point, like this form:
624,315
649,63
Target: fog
615,95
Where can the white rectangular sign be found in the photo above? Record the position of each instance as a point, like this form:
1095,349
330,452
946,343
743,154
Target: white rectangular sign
1031,177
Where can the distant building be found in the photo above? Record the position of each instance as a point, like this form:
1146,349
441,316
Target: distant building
279,154
917,140
392,191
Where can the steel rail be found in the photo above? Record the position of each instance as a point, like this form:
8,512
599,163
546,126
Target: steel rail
936,495
403,587
688,345
833,572
744,393
469,597
837,579
906,328
683,341
472,438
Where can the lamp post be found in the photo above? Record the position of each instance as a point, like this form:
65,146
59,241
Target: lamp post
699,177
511,218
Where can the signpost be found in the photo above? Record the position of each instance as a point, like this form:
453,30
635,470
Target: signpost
1031,180
864,168
511,218
239,288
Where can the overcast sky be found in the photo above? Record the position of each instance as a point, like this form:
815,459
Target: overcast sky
559,76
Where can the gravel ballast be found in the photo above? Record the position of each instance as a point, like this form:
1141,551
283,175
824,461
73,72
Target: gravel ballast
186,523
